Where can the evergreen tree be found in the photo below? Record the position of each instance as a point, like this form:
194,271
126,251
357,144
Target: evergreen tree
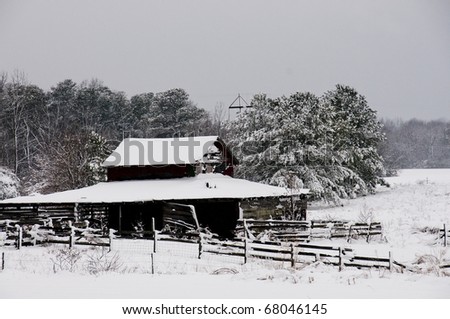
356,134
300,141
9,184
171,113
60,117
140,105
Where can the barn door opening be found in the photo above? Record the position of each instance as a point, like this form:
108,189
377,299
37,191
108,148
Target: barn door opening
179,219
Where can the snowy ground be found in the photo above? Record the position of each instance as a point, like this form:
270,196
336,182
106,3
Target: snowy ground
417,202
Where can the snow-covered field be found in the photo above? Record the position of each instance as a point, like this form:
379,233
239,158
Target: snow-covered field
416,204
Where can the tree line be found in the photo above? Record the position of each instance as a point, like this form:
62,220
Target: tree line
56,139
416,144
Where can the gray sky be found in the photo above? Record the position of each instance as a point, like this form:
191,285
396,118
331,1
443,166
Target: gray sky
395,52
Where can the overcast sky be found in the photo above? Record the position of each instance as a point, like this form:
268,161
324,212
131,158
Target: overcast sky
394,52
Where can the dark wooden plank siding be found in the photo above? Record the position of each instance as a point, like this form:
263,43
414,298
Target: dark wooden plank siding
122,173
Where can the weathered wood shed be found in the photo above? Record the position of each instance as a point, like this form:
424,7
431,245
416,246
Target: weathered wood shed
153,179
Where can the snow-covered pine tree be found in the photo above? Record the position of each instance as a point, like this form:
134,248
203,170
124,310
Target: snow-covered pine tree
9,184
290,142
140,105
97,150
171,113
356,135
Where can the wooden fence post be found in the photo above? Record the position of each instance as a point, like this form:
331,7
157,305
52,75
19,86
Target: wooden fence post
245,250
34,240
120,219
317,257
245,229
155,236
153,264
111,237
3,261
292,255
445,235
72,238
349,236
341,260
19,236
391,261
200,246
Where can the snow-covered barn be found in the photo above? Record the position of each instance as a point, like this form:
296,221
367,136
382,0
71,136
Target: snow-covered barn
158,178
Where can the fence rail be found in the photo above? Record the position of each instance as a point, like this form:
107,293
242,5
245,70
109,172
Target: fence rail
306,231
14,234
293,252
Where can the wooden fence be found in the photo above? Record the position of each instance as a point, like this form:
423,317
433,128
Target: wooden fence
56,232
295,253
306,231
290,249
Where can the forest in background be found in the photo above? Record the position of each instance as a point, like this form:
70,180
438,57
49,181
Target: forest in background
416,144
56,140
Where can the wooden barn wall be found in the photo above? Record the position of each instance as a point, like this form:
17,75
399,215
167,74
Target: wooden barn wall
123,173
220,216
262,208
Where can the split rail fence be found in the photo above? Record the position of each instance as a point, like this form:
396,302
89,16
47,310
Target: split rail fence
54,232
292,249
295,253
80,233
306,231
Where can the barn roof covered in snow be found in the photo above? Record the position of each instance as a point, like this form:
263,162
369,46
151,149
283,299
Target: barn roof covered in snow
203,186
166,151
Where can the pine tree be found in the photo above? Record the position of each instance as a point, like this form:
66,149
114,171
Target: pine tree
356,134
171,113
306,141
9,184
97,150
